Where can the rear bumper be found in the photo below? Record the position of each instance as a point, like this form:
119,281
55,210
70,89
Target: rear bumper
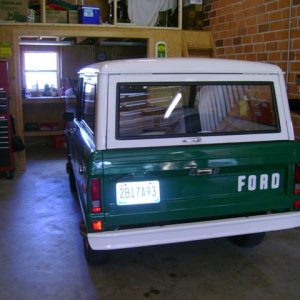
191,231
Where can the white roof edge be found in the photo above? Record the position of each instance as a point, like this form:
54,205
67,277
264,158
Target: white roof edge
183,65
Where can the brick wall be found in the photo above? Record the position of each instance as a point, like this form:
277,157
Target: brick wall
259,30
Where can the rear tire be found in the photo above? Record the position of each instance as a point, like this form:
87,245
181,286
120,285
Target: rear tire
94,257
248,240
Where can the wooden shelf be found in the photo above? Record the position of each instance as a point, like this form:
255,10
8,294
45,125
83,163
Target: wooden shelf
104,8
78,26
3,23
42,101
43,133
43,110
47,100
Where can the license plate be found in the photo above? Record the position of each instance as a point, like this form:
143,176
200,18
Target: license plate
138,192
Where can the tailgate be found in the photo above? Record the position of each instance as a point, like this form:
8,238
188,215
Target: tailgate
182,184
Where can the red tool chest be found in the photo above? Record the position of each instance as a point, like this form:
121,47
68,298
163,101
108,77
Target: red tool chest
6,154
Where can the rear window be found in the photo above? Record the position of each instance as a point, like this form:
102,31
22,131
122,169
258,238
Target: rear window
173,110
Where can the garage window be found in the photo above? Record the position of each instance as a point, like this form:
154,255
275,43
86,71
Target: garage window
40,69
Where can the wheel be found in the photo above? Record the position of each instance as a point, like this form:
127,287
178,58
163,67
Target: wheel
70,172
94,257
248,240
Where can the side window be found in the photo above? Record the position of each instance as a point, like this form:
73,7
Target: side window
88,104
172,110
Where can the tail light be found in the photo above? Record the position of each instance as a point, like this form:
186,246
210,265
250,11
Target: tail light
297,185
297,180
297,204
97,225
95,194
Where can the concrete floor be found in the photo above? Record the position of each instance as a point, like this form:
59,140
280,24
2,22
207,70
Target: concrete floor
41,254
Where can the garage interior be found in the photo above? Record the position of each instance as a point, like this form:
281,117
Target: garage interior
42,253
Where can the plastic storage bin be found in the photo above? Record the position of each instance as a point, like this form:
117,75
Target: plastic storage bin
89,15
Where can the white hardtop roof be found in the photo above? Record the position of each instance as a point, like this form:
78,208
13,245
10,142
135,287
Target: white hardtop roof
181,66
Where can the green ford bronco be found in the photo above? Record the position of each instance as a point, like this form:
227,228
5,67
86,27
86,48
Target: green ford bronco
182,149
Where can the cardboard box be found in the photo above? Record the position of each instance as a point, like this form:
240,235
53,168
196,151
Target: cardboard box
192,17
73,16
56,16
190,2
13,10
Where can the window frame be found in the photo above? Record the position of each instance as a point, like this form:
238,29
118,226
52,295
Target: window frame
84,106
286,132
81,102
242,84
42,49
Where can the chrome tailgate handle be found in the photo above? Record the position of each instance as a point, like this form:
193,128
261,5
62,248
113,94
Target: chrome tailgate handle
204,171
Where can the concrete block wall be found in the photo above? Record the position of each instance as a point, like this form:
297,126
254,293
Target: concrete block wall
259,30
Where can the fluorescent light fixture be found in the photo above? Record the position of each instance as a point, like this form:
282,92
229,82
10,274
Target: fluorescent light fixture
46,43
172,106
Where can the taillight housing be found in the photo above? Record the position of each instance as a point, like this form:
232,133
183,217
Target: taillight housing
297,180
97,225
95,195
297,204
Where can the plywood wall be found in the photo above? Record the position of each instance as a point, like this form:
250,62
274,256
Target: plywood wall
10,33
